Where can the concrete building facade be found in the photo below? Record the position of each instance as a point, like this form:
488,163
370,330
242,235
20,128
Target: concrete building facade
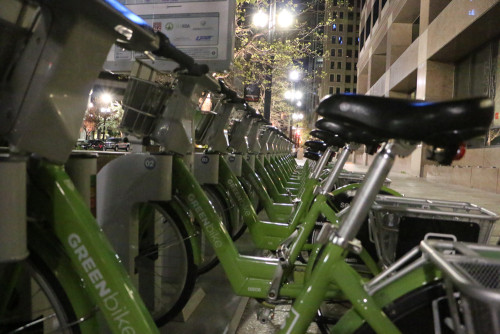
435,50
341,47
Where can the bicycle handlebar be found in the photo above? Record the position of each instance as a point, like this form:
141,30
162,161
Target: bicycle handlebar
168,50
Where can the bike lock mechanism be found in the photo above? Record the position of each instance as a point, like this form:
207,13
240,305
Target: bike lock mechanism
13,240
82,169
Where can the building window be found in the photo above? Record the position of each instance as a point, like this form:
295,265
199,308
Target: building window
341,15
334,39
332,65
349,40
334,27
355,79
356,53
349,53
339,78
339,52
335,2
340,40
350,28
330,90
350,16
332,78
334,14
339,65
341,27
337,90
332,53
347,79
347,90
348,65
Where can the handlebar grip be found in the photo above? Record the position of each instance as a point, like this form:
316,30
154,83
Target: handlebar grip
168,50
231,95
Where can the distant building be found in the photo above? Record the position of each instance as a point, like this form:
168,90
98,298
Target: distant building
341,47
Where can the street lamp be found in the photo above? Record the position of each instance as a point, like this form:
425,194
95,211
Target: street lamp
105,100
294,75
284,20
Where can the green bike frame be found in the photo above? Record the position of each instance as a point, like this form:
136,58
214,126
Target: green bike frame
278,195
367,302
270,235
78,251
251,276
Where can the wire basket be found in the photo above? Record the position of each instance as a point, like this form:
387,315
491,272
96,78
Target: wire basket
472,279
144,101
397,224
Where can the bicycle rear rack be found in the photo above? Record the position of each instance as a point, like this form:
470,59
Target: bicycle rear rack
472,278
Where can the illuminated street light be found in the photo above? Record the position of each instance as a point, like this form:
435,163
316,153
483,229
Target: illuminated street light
294,75
299,104
298,95
285,19
106,98
297,116
260,19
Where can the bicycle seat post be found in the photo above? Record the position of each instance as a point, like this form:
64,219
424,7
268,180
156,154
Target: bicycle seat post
369,189
329,183
320,165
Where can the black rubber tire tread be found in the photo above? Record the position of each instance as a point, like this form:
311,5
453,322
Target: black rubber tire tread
43,270
412,313
190,278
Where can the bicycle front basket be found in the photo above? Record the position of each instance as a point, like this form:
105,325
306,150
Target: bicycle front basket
144,101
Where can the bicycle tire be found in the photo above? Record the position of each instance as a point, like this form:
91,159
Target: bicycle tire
165,265
48,309
209,258
412,312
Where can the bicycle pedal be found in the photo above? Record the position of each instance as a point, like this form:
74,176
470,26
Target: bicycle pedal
265,315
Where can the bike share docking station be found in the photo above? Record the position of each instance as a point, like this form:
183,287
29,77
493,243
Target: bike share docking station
13,238
205,31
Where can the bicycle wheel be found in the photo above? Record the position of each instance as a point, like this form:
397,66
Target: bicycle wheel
36,303
209,258
165,265
413,312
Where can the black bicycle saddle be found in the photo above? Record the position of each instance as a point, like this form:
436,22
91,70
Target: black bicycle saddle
329,138
349,133
316,145
312,155
435,123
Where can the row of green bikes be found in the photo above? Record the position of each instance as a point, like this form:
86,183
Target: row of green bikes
119,249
